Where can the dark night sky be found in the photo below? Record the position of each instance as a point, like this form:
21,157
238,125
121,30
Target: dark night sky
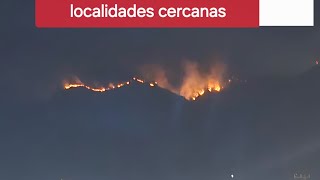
46,136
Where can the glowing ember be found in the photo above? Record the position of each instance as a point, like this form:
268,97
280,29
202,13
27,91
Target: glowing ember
68,86
111,86
139,80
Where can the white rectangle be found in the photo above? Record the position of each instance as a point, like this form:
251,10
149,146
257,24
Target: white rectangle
286,13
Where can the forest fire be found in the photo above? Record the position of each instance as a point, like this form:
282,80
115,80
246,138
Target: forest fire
194,82
189,94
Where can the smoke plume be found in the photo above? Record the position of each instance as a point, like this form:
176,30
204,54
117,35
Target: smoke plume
194,82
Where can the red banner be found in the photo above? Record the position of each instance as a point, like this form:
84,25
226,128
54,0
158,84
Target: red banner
146,13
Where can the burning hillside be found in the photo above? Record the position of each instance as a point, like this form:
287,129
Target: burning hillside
194,84
110,86
195,81
192,95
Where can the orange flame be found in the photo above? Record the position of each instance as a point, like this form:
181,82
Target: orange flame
111,86
194,82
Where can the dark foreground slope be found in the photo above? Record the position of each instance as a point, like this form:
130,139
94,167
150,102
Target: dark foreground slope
261,130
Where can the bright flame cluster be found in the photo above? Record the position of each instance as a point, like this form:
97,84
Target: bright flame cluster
191,89
192,83
212,87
